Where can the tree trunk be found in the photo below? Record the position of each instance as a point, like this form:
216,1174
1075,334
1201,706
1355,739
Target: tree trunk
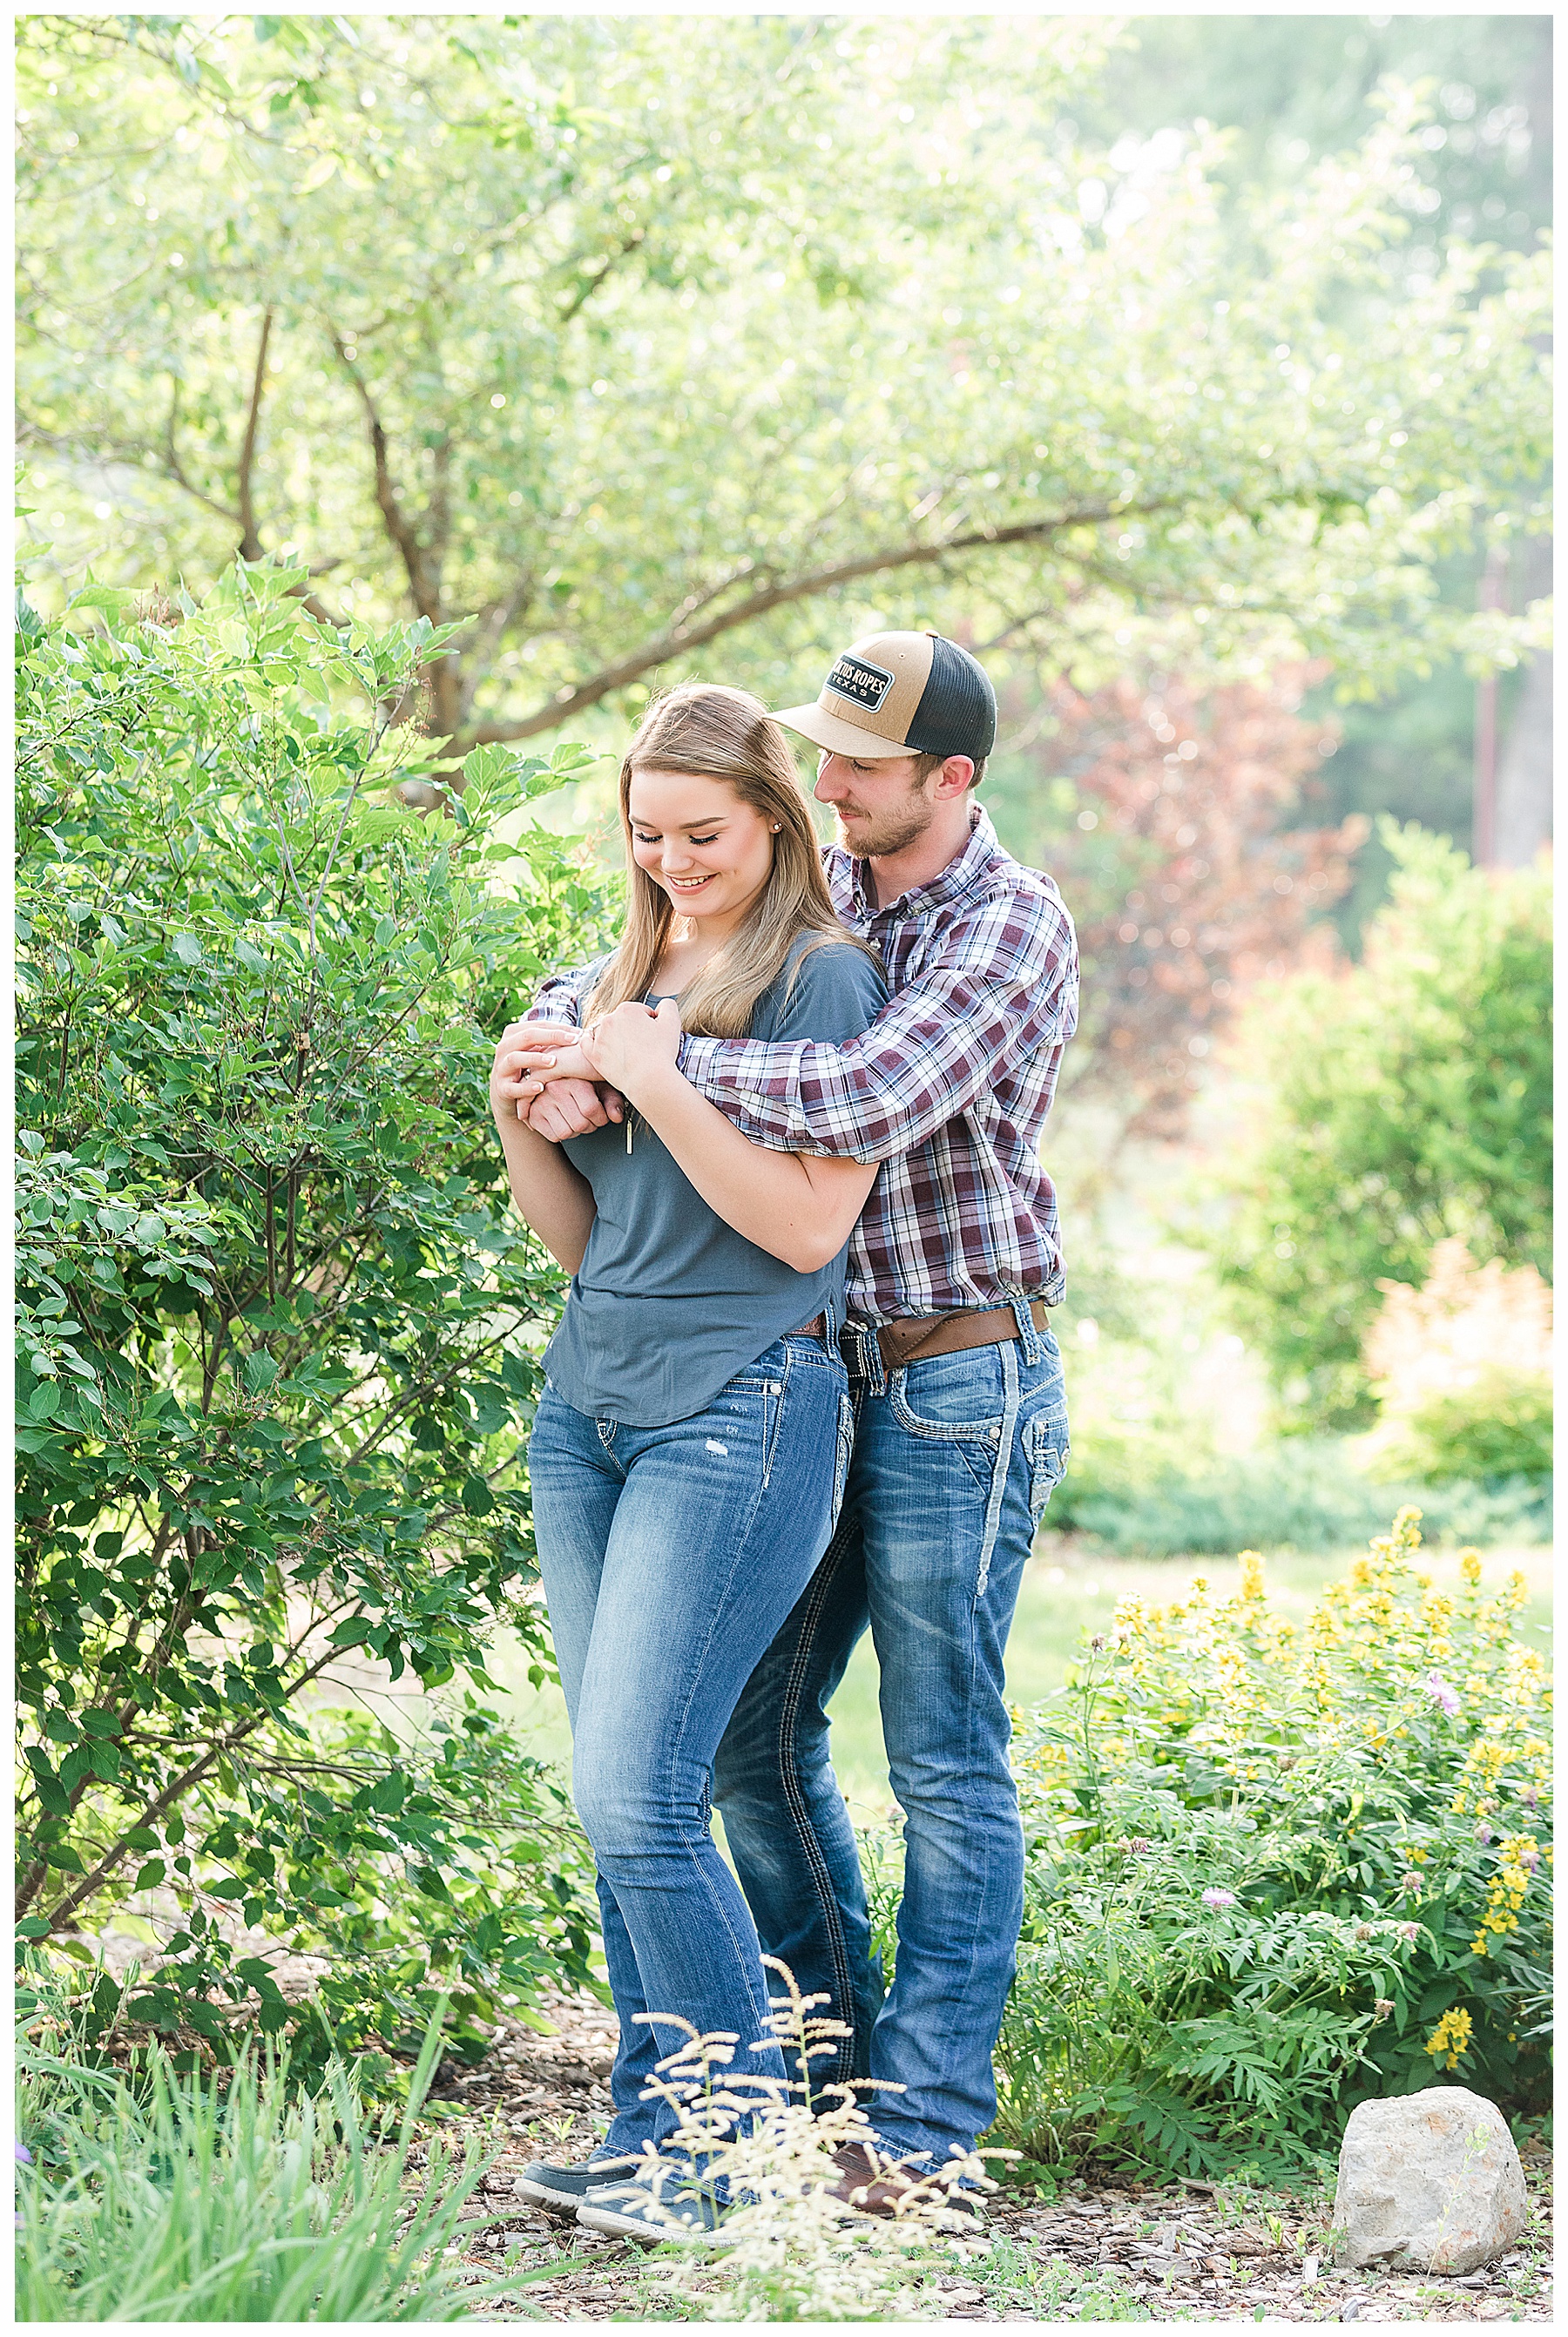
1524,813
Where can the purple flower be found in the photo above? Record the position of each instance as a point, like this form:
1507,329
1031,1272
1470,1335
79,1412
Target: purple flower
24,2156
1483,1832
1219,1898
1529,1860
1409,1931
1446,1699
1529,1798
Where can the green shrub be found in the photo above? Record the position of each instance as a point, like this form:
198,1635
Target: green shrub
1305,1493
1274,1869
280,1325
1500,1425
1401,1102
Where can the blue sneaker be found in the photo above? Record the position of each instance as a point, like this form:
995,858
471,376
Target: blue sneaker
563,2189
643,2210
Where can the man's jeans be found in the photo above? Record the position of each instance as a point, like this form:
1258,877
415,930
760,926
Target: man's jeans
670,1557
955,1460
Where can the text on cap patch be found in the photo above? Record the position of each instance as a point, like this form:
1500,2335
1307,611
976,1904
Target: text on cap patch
862,684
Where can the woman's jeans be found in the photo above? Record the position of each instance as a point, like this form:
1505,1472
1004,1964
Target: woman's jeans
955,1460
671,1558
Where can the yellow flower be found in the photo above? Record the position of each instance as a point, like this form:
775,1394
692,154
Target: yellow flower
1251,1567
1451,2037
1470,1566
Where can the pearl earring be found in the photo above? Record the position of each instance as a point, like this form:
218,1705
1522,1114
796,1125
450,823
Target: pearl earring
776,825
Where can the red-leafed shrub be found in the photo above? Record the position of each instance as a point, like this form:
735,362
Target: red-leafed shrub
1169,818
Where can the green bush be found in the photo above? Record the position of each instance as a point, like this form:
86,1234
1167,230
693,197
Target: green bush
1402,1102
1305,1493
1500,1425
280,1325
1272,1871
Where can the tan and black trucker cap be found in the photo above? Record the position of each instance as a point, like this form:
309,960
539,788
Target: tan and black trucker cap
901,694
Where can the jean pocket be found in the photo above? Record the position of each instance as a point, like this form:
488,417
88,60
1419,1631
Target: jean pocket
956,1399
842,1456
1045,1440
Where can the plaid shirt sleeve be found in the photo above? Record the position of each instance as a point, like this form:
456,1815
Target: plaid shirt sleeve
1003,983
560,1000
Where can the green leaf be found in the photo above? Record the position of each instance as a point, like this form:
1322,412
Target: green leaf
112,597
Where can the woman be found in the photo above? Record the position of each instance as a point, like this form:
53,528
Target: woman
690,1449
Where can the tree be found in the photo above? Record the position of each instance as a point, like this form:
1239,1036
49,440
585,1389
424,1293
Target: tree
1383,1107
1298,86
279,1327
1162,814
629,346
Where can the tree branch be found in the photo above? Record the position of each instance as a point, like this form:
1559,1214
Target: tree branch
487,640
399,526
591,284
250,540
681,639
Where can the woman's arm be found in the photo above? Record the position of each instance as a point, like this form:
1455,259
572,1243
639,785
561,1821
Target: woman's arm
571,1104
797,1207
549,1193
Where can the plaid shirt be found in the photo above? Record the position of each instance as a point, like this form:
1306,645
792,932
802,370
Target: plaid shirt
950,1088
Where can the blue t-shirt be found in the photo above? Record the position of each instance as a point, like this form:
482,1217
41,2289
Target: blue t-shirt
670,1302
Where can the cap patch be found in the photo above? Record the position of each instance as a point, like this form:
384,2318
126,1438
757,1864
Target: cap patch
864,685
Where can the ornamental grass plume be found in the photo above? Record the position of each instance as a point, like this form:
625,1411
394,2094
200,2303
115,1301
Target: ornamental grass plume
789,2250
1461,1371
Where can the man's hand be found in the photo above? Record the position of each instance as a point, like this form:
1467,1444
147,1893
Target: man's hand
571,1108
635,1047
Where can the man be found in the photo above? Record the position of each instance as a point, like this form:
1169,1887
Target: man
961,1429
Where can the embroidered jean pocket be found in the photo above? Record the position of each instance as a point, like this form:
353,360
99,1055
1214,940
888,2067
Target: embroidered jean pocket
841,1457
1045,1449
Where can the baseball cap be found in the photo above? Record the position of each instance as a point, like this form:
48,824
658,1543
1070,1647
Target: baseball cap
901,694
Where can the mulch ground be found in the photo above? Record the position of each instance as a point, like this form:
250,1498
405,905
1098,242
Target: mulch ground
1187,2252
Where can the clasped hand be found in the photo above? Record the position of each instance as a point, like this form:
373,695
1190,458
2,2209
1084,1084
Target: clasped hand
566,1082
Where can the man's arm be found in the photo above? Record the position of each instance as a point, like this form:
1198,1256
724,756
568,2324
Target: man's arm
560,1000
1005,986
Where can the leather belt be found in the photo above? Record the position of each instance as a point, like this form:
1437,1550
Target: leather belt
815,1329
914,1337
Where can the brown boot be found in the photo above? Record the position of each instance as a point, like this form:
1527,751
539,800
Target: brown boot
872,2188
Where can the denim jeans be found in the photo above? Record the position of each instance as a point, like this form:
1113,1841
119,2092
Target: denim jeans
955,1460
670,1557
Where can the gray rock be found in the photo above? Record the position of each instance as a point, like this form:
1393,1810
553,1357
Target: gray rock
1428,2182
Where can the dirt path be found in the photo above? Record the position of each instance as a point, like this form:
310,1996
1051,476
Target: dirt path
1181,2253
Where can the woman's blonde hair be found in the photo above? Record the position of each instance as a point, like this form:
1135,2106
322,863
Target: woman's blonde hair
722,734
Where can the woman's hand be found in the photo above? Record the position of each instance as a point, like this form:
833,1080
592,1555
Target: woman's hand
635,1047
549,1085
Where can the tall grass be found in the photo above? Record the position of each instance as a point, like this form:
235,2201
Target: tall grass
158,2198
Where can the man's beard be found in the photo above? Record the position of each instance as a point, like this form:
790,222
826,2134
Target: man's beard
878,835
